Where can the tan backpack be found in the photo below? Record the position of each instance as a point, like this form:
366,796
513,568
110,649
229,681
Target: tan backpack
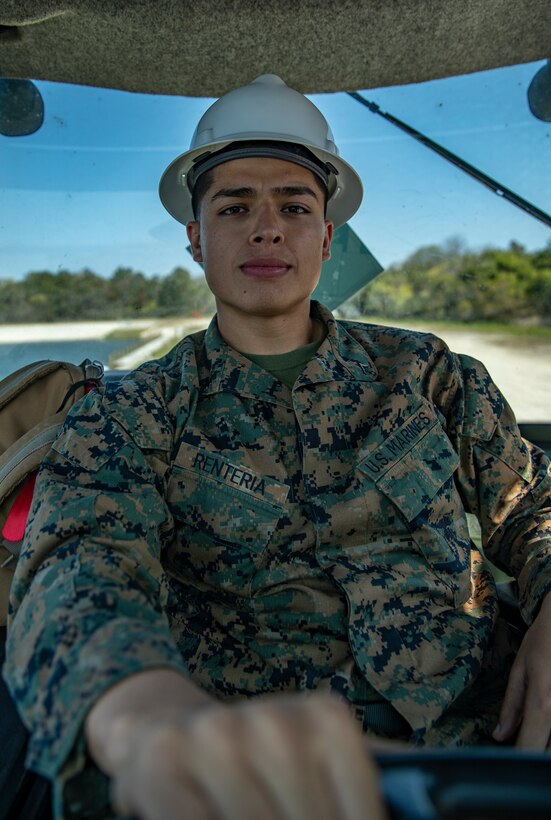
33,404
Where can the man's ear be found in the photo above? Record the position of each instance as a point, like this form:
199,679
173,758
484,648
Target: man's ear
193,230
327,238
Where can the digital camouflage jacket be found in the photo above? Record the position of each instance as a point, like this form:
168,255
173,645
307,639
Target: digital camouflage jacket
202,516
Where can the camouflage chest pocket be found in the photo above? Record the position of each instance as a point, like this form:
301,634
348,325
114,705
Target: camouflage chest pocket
226,514
414,469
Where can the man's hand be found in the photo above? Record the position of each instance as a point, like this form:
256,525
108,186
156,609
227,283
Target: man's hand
527,703
277,758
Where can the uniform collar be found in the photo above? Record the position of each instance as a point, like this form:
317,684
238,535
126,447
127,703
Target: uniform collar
225,370
339,358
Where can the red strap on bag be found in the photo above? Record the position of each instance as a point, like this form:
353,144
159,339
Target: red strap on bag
16,521
14,527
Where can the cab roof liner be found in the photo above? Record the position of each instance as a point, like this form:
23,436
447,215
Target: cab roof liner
206,47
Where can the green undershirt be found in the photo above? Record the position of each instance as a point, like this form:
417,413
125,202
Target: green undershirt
287,366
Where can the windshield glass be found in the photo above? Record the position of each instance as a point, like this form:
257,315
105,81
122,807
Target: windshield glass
92,265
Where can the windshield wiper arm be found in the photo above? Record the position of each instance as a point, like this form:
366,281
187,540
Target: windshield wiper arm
476,173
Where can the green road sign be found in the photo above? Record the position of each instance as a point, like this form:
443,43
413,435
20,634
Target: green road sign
351,267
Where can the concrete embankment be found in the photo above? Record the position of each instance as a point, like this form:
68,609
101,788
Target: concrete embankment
156,337
155,334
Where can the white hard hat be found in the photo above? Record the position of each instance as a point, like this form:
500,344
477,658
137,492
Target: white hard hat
265,112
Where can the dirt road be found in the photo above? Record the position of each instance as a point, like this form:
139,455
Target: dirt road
520,366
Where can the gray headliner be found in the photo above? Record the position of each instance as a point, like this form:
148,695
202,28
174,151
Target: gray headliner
205,47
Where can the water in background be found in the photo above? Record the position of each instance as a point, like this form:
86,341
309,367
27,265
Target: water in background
14,356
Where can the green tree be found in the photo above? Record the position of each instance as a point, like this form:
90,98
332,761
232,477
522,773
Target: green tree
175,293
450,282
130,292
182,294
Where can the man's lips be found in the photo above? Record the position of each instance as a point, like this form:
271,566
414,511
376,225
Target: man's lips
265,266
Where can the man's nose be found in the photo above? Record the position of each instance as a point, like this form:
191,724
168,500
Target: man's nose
267,228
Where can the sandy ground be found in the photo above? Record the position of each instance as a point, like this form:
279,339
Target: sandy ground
161,334
519,365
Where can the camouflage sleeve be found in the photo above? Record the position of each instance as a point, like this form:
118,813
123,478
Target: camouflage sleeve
87,599
506,482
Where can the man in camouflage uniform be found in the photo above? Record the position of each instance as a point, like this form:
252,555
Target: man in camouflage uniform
277,506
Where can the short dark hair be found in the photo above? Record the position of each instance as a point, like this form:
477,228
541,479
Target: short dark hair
201,186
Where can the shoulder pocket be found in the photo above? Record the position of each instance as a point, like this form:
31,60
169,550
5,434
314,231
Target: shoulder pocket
418,477
413,462
418,480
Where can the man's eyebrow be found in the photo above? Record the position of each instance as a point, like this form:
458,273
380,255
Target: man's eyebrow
232,193
243,192
294,190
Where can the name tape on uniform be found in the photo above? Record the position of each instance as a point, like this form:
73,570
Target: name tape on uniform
232,475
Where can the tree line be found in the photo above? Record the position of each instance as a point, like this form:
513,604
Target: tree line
43,296
450,282
436,282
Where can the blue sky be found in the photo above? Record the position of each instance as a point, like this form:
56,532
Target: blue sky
82,192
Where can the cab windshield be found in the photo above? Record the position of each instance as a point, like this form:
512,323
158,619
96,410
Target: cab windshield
92,266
